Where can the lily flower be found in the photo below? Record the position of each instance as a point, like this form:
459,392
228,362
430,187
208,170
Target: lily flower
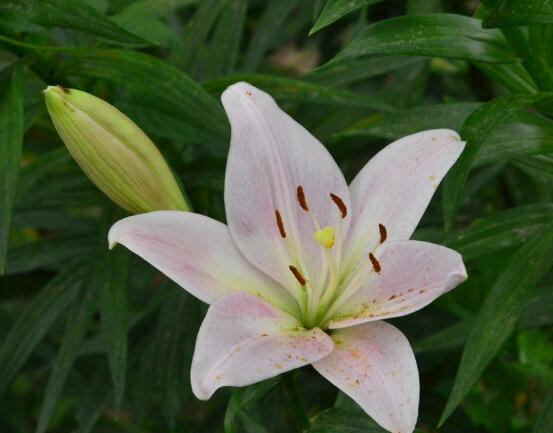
307,267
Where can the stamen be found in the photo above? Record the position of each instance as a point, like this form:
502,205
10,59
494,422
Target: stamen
298,275
376,264
301,198
383,232
340,204
280,224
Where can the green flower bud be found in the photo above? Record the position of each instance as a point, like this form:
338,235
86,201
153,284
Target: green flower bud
114,152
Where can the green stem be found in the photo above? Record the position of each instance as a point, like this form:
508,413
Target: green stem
294,401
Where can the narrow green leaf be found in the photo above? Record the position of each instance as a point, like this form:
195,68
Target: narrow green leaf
500,312
475,130
349,71
48,253
35,320
155,83
266,31
289,89
452,337
11,140
342,419
434,35
336,9
501,230
544,423
242,397
112,280
77,326
506,13
70,14
94,402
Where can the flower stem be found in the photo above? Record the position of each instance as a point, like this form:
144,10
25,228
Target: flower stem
295,403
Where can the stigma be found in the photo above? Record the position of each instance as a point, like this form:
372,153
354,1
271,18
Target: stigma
326,237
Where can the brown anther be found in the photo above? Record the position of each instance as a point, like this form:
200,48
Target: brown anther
340,204
301,198
376,264
63,89
280,224
383,233
297,274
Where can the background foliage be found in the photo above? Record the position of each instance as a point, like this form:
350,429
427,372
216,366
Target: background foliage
93,340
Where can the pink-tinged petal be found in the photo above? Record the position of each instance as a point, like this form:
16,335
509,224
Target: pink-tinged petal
197,253
375,365
270,156
412,275
396,185
244,340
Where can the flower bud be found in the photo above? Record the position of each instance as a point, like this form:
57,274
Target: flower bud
114,152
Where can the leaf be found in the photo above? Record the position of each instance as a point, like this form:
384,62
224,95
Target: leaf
266,31
336,9
518,13
500,312
504,229
544,423
48,253
112,281
155,83
77,326
434,35
289,89
340,73
344,420
71,14
11,140
94,402
475,130
35,320
452,337
242,397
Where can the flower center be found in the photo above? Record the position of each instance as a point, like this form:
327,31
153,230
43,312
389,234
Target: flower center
318,304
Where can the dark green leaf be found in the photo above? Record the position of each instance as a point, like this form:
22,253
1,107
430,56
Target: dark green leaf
500,312
155,83
35,320
112,281
344,420
544,423
70,14
519,13
435,35
289,89
242,397
504,229
11,139
78,323
336,9
475,130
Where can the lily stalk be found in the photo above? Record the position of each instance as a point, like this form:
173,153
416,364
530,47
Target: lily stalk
115,154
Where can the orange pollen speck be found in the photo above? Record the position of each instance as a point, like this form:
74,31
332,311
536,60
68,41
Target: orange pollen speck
298,275
301,198
383,233
340,204
376,264
280,224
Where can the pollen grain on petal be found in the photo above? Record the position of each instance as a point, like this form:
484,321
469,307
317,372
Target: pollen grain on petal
383,233
376,264
340,204
301,198
280,224
297,274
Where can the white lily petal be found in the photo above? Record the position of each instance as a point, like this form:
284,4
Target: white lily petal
244,340
270,156
197,253
396,185
412,275
375,365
